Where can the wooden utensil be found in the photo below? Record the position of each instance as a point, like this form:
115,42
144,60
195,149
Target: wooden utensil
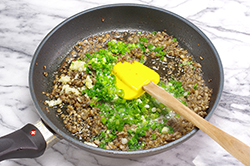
135,78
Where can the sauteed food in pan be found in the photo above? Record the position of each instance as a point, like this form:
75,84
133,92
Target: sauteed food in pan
92,108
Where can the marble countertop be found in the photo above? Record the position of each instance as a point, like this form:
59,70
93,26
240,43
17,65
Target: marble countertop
24,23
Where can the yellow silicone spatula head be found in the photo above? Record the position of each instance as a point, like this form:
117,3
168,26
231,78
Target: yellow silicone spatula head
130,77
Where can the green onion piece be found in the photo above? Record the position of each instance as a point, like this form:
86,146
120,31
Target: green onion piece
154,136
195,86
158,49
151,47
143,144
102,134
102,145
177,115
154,32
186,93
145,40
133,144
130,131
103,120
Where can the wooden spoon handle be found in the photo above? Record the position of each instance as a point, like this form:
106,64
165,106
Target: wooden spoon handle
235,147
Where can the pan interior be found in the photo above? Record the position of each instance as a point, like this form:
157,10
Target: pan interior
119,17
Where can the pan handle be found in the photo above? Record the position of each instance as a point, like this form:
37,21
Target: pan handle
28,142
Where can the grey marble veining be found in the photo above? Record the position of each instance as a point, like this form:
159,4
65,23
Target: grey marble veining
24,23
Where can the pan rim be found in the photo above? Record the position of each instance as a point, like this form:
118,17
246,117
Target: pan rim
121,154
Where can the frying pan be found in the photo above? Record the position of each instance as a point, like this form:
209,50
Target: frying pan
32,140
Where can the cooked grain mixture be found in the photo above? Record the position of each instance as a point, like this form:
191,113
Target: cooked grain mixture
92,108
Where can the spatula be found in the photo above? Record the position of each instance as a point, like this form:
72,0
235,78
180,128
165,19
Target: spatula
135,78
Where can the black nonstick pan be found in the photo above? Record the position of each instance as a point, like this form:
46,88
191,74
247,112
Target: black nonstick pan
32,140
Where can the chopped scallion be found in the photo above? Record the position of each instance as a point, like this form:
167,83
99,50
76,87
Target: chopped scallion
195,86
174,40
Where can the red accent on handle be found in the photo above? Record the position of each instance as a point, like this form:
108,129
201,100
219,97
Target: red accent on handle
33,132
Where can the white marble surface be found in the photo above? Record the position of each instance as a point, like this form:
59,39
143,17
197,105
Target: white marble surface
24,23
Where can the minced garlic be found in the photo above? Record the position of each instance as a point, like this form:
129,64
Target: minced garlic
78,65
88,82
64,79
67,89
53,103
